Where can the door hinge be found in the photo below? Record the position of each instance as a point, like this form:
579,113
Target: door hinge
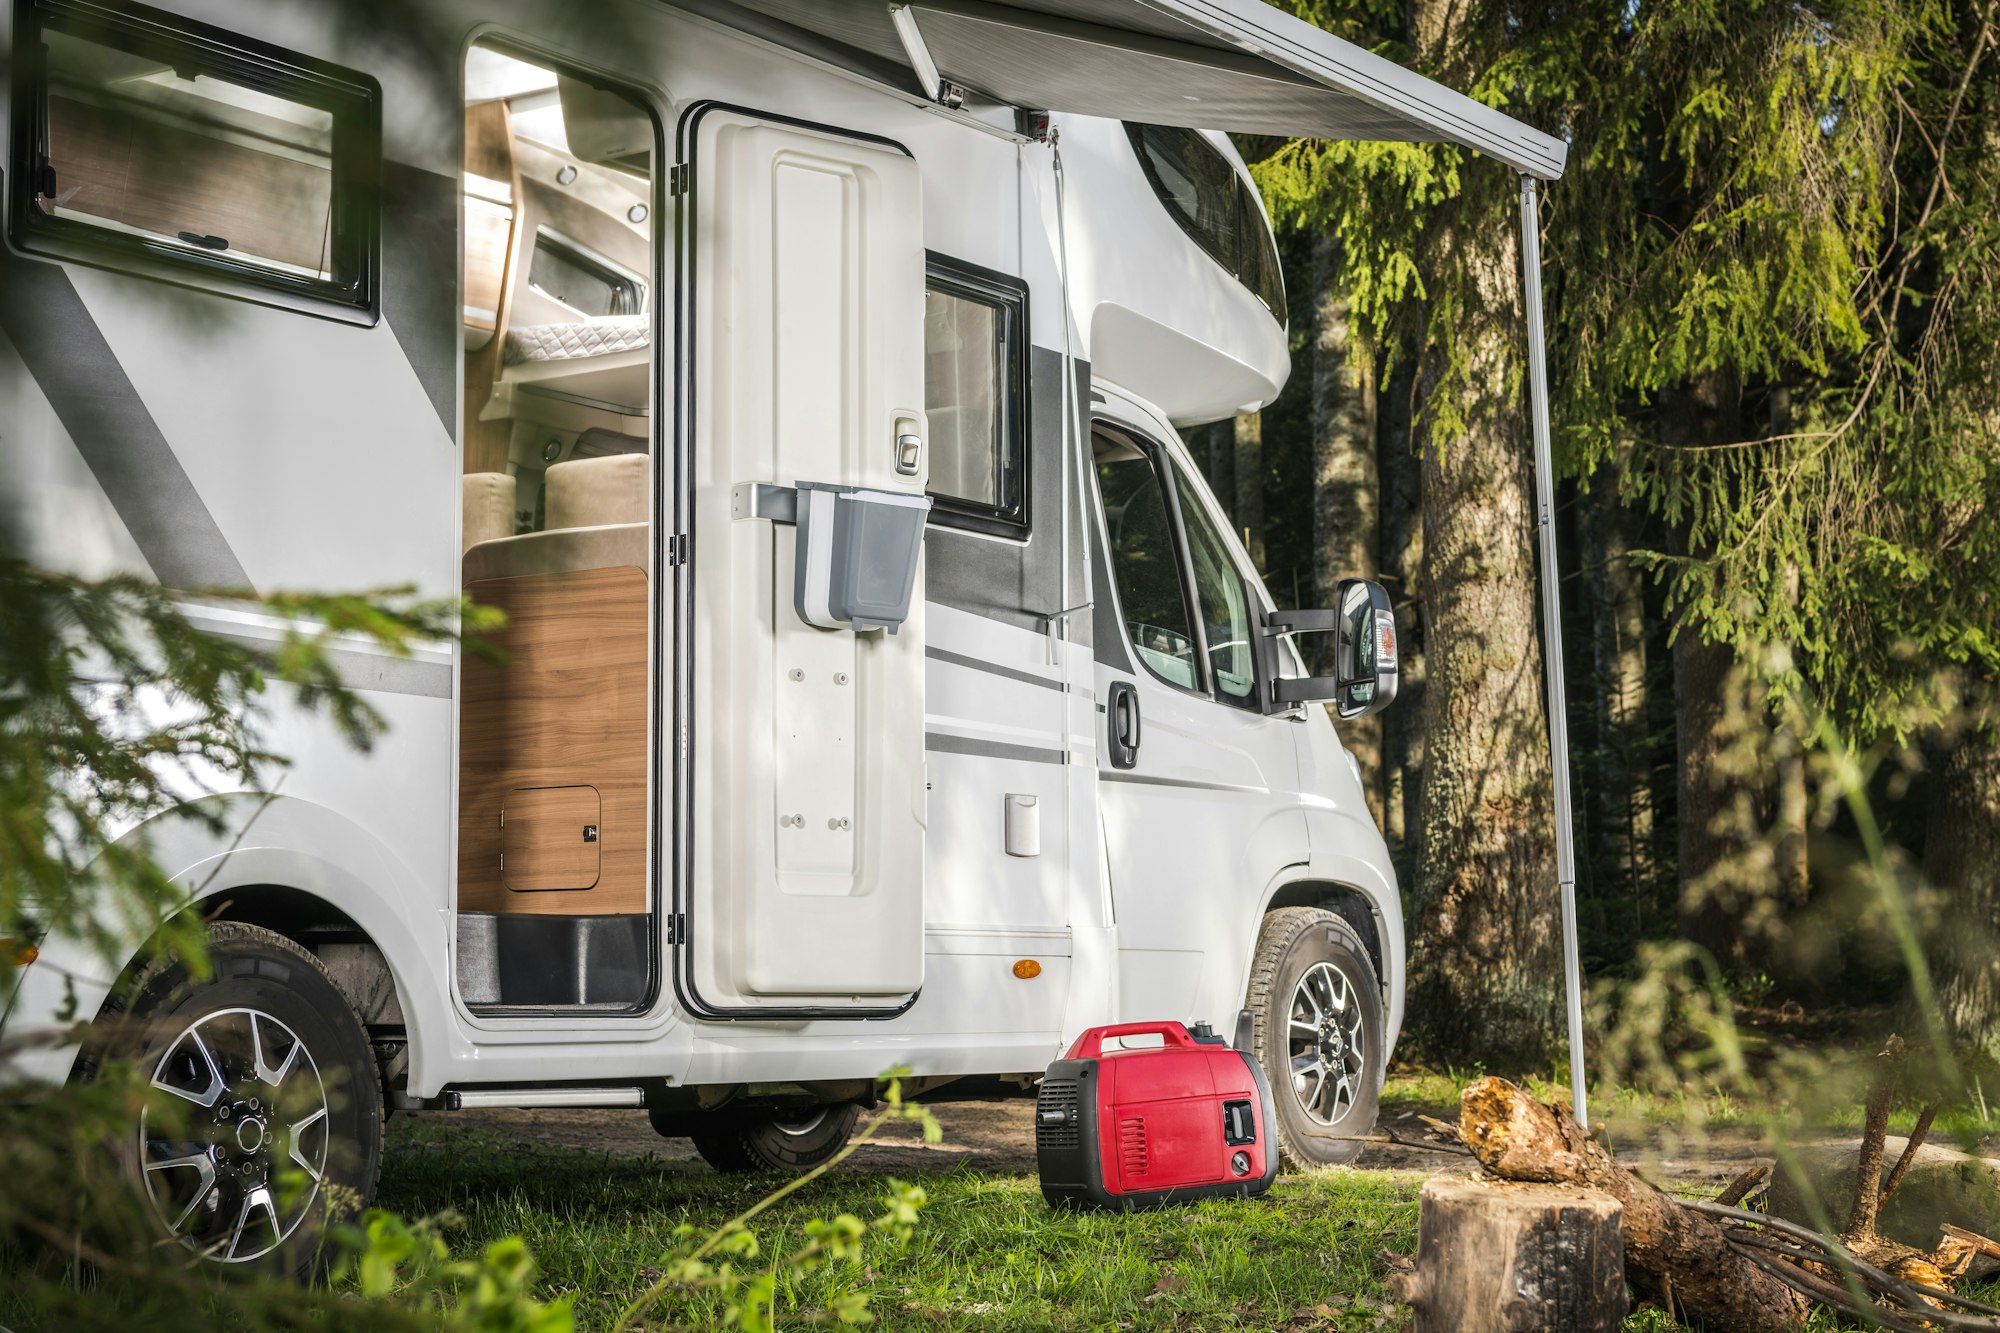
503,860
677,550
678,179
677,928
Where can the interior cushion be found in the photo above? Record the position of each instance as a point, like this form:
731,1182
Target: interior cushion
488,502
593,492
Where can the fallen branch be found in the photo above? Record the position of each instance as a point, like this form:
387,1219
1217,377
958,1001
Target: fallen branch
1516,1137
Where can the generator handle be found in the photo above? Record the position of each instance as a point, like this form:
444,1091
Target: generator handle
1089,1045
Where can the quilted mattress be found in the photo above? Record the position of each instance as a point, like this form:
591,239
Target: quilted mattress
571,342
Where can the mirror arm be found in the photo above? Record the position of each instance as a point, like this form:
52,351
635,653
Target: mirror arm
1278,623
1306,689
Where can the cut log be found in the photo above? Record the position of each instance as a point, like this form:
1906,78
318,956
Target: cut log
1518,1138
1496,1257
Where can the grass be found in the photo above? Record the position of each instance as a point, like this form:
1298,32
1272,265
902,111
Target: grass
987,1255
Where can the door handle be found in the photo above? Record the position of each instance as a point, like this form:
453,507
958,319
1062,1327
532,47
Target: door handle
1121,721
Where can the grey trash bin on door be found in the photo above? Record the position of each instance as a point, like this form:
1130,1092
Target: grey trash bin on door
857,556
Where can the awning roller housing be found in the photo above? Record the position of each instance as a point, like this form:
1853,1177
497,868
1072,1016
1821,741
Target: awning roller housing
1236,65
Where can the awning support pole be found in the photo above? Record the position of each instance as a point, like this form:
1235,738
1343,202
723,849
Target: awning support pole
1552,649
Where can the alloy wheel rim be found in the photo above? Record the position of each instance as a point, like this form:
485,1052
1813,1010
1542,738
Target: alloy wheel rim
220,1176
1326,1043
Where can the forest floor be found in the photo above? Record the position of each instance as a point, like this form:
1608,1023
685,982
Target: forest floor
598,1196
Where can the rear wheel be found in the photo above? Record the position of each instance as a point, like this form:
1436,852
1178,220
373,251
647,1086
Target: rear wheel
1316,1014
268,1116
742,1140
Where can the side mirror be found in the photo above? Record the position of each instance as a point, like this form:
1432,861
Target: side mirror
1364,654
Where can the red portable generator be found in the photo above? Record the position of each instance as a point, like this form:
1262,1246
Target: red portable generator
1129,1129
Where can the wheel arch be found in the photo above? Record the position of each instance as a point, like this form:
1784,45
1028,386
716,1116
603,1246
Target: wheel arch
316,877
1361,894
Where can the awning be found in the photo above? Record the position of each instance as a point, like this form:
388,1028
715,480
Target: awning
1236,65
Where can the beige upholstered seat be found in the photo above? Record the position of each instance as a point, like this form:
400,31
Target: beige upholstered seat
488,500
595,492
561,551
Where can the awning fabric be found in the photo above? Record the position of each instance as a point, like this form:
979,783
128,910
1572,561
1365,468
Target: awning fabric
1236,65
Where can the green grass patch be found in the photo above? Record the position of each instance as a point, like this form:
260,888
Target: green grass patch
989,1254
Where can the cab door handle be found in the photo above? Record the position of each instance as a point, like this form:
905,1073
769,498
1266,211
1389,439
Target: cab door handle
1121,722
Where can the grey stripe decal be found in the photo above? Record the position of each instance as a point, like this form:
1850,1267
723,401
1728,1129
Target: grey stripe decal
420,279
114,432
939,743
992,668
1114,775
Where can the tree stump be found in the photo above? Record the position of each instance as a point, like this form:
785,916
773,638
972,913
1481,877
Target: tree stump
1499,1257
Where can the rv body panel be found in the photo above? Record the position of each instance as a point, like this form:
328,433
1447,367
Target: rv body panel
327,454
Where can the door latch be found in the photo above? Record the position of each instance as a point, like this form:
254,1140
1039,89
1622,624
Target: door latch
909,454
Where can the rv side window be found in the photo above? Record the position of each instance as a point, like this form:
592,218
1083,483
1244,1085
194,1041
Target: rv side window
975,393
1220,598
1203,192
180,151
1145,561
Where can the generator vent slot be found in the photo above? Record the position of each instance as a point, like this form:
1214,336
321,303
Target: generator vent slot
1132,1145
1056,1115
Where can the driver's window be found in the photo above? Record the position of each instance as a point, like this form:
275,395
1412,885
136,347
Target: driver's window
1225,612
1144,563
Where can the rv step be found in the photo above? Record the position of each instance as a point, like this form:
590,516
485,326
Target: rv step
467,1099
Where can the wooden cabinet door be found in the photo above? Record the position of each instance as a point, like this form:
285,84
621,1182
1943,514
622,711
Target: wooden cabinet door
548,838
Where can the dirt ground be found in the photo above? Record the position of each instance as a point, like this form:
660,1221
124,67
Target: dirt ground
999,1137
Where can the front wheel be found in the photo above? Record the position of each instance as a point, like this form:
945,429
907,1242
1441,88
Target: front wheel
1316,1016
737,1141
268,1115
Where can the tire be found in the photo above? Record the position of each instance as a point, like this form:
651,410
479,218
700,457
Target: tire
1325,1088
277,1130
736,1142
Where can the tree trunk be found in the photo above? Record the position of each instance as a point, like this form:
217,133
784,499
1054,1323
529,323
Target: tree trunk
1345,489
1706,412
1249,515
1401,553
1494,1257
1516,1137
1962,861
1621,805
1486,975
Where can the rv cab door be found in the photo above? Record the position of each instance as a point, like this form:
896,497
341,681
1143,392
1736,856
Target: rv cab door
799,722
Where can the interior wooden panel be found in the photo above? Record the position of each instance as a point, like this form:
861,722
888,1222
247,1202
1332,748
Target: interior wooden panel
549,839
489,152
489,229
567,708
133,169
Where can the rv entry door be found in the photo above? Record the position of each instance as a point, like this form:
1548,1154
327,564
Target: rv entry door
799,651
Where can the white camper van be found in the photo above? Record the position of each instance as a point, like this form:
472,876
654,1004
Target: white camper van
882,684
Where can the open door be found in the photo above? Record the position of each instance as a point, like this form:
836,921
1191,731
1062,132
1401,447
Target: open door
799,827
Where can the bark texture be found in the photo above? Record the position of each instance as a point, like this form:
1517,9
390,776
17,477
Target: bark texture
1495,1257
1401,551
1705,412
1345,485
1962,861
1621,800
1516,1137
1488,963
